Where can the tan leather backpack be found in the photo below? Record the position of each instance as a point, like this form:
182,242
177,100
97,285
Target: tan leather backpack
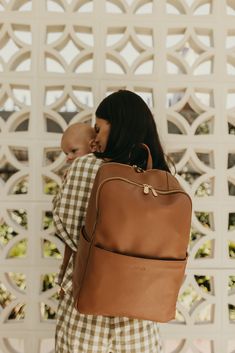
133,248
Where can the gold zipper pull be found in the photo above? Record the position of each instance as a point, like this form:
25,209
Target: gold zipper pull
146,189
154,192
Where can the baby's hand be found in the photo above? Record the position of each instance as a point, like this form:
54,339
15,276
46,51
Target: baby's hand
65,174
93,146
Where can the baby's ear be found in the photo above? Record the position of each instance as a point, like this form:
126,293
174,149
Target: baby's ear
92,145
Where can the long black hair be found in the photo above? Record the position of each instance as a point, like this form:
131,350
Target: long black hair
132,123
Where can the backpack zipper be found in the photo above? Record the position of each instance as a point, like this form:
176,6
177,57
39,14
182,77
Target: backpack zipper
146,188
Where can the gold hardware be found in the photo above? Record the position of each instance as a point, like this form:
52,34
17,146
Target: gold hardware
149,187
154,192
138,169
146,189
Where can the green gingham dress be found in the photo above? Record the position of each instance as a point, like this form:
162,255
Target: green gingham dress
76,332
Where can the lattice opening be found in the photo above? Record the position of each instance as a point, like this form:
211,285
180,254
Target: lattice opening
47,312
179,318
6,233
231,129
19,216
6,297
177,7
8,48
68,50
22,5
84,6
21,154
206,188
231,313
114,6
146,94
50,155
7,170
174,345
231,221
20,187
22,94
52,126
21,123
230,7
53,64
230,65
48,281
230,101
190,299
7,107
15,345
231,187
47,220
231,249
195,236
84,96
50,250
19,250
23,32
206,250
55,6
50,186
231,160
17,280
204,345
17,313
144,7
206,128
189,172
206,315
47,345
176,156
114,66
206,158
206,283
206,219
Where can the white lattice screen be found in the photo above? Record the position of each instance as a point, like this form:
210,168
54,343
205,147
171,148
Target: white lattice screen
58,59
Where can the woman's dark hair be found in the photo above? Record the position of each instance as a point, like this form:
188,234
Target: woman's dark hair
132,123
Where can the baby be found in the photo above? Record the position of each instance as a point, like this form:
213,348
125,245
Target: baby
78,140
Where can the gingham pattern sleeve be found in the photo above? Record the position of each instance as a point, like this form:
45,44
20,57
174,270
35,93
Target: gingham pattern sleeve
71,202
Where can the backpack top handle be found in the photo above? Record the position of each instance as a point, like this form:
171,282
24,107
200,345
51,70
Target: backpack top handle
150,159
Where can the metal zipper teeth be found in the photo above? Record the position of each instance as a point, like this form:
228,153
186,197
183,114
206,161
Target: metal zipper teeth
137,184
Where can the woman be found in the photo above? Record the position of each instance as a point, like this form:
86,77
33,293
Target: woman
123,122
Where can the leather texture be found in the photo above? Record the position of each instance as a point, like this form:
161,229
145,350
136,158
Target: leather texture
133,247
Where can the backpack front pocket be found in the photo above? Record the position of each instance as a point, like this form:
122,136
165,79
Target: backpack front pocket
122,285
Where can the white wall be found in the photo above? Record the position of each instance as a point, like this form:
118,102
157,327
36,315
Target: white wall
172,53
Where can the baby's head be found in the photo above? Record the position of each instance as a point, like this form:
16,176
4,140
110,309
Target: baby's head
78,140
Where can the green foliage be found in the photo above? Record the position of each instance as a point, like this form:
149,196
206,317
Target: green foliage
204,189
204,282
50,187
231,249
50,250
205,250
231,221
5,296
47,220
20,217
19,250
22,187
231,309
